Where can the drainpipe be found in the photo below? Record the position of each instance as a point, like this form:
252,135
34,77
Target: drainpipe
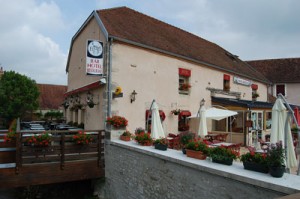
109,97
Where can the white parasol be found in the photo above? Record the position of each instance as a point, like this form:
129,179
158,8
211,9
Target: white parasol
202,130
280,128
157,130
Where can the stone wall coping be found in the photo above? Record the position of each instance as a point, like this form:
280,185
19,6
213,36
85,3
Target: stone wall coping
288,184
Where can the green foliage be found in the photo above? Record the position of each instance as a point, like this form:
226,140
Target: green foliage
185,137
197,145
53,114
276,155
260,158
18,95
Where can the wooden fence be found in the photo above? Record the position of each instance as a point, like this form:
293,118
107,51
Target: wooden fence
63,160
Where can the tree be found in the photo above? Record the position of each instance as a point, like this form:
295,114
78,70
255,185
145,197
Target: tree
54,114
18,95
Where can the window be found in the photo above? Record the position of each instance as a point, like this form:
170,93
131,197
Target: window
254,91
268,120
183,121
226,83
280,88
184,81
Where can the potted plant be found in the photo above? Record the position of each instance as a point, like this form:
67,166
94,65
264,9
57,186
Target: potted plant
175,111
126,136
185,137
255,95
255,161
276,159
185,86
223,155
143,138
197,149
10,137
161,144
117,121
40,140
81,138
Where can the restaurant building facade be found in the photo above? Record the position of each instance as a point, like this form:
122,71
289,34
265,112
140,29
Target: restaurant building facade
138,59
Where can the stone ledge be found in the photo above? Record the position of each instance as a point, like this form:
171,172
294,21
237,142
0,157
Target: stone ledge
288,184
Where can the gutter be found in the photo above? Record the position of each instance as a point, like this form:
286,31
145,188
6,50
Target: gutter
186,58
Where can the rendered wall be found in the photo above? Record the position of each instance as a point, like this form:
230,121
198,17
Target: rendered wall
136,173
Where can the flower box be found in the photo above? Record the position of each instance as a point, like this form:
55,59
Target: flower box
195,154
253,166
125,138
159,146
227,161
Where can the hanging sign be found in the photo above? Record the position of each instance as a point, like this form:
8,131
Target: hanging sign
244,82
94,57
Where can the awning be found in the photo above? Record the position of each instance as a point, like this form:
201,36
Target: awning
242,103
161,114
216,114
185,114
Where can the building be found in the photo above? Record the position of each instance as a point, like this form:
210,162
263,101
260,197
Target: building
284,75
147,59
51,97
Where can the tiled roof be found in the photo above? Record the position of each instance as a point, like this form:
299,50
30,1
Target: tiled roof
131,26
279,70
51,96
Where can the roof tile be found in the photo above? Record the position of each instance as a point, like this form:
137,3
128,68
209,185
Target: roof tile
133,26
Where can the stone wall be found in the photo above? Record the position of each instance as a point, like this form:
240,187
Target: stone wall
135,173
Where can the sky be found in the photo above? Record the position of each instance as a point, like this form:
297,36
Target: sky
35,35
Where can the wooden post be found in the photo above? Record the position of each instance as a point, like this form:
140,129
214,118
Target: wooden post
62,155
18,151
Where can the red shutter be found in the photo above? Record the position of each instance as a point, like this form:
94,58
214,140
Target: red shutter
184,72
227,77
254,86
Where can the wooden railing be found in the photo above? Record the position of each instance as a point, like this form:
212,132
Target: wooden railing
63,155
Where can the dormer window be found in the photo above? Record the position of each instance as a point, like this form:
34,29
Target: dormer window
280,88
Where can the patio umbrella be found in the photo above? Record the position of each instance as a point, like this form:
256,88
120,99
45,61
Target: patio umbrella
216,114
202,130
279,130
157,130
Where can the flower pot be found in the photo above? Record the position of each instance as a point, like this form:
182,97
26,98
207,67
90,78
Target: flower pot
124,138
277,172
195,154
162,147
253,166
223,161
145,143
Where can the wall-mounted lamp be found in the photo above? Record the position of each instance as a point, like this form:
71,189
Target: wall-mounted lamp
132,96
202,102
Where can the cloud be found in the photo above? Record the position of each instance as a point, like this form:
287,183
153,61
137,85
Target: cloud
26,44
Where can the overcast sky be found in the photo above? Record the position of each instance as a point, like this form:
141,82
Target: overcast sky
35,35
